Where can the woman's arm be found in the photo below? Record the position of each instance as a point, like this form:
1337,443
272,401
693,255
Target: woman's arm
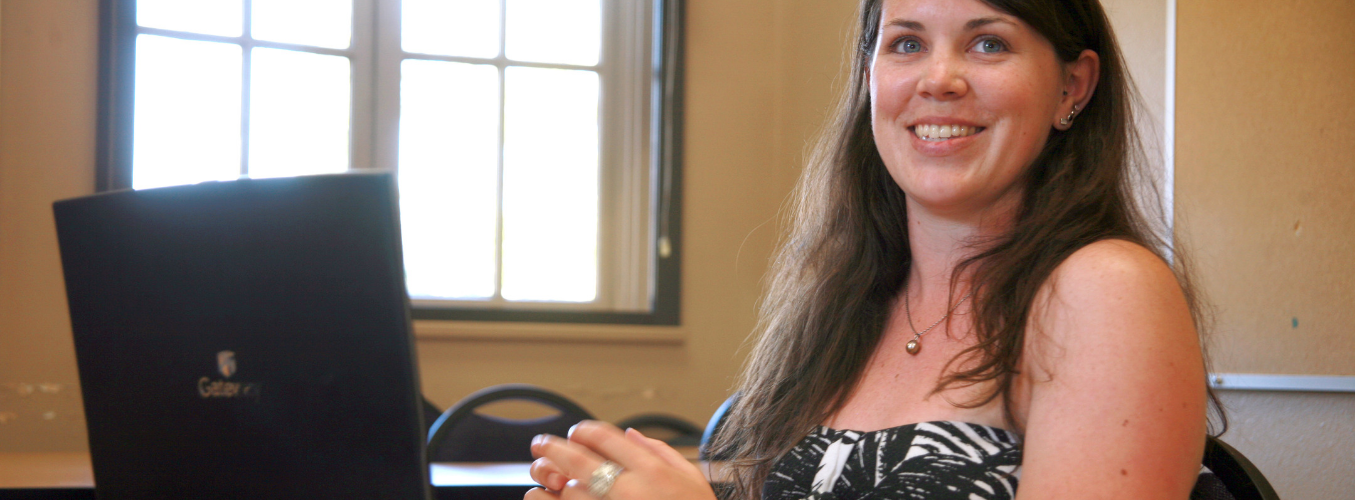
1115,381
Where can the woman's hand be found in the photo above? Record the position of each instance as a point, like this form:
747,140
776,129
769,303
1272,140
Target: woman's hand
651,469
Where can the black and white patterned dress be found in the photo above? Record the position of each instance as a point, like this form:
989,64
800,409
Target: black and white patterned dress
928,460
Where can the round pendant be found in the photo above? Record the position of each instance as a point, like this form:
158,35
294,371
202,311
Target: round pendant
913,346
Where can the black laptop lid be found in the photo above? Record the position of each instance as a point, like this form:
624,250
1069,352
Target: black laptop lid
245,339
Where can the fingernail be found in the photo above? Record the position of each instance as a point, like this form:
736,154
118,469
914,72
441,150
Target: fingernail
538,440
571,430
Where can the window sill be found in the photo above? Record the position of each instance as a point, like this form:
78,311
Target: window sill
548,332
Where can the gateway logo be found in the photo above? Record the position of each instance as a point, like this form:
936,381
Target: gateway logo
225,363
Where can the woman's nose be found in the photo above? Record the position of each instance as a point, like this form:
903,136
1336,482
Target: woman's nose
943,78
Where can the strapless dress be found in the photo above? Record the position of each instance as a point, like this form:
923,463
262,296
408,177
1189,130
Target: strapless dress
931,460
928,460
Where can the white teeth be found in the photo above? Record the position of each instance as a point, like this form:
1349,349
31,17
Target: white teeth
943,132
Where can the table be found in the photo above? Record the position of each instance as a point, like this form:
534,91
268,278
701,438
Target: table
69,475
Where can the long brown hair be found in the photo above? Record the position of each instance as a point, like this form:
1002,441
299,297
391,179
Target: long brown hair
840,269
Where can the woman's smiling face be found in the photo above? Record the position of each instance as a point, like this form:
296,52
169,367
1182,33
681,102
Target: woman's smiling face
963,98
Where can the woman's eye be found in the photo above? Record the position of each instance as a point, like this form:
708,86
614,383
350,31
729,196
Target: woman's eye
990,46
908,46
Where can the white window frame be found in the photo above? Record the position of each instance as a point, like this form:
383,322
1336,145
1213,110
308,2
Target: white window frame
640,75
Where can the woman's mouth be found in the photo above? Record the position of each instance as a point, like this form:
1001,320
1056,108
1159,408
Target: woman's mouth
938,133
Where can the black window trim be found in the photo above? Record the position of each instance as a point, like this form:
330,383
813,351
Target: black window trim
113,156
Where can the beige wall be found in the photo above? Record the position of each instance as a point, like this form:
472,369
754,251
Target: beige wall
1301,441
1264,141
1265,168
47,99
1265,172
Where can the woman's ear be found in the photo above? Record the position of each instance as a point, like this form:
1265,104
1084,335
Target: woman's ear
1079,83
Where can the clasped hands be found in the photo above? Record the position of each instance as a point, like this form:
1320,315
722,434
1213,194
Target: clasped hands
650,468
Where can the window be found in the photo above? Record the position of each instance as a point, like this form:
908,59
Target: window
535,141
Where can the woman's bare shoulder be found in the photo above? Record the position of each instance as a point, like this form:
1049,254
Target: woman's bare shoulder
1109,295
1110,266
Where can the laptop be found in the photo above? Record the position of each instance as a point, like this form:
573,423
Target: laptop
245,339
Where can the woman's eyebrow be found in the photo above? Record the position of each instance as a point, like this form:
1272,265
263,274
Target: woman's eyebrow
974,24
906,24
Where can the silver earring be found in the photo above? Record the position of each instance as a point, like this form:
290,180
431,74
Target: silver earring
1065,121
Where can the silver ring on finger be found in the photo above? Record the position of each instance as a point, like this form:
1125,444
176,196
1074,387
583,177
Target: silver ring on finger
600,483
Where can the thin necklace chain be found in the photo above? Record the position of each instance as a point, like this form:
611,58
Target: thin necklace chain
908,310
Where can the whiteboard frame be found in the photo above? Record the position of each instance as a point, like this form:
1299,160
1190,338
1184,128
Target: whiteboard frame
1287,383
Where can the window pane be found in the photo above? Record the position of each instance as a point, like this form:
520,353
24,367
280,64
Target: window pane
550,185
554,31
212,17
449,155
298,113
187,116
321,23
467,28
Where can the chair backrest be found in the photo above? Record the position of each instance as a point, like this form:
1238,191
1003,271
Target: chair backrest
1241,479
679,431
717,422
462,435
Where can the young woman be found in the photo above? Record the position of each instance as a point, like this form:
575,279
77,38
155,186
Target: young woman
973,296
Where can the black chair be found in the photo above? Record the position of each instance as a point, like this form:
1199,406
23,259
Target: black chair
717,422
462,435
672,430
1233,476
